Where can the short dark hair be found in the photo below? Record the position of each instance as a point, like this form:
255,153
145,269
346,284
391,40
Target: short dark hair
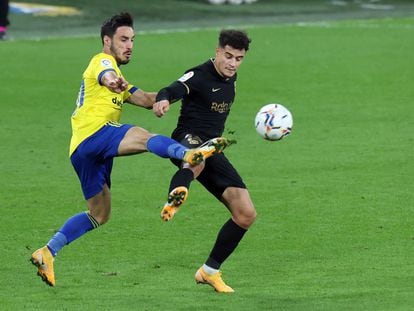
110,26
237,39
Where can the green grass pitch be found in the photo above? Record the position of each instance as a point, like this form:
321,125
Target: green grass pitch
334,199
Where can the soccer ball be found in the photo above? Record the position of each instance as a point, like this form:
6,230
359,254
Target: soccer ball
273,122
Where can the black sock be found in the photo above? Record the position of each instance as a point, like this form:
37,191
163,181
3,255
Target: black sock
183,177
227,240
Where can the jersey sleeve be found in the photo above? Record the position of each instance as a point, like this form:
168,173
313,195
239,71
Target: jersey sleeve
192,80
102,66
129,91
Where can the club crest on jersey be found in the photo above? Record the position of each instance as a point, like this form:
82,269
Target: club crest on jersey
186,76
193,140
106,63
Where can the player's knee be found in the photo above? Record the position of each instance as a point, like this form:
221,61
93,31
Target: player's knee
135,141
253,216
245,218
104,220
197,169
100,215
250,217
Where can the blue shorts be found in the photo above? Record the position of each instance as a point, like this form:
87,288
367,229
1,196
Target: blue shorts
93,158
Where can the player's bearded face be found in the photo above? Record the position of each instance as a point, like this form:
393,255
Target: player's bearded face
228,60
121,44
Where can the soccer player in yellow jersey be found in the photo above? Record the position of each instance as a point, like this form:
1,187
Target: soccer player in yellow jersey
98,137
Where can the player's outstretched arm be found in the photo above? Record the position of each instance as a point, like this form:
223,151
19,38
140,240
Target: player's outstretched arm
168,95
142,99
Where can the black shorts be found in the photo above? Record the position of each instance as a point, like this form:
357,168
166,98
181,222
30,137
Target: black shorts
218,173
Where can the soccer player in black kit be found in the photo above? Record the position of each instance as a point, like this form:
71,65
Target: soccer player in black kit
207,92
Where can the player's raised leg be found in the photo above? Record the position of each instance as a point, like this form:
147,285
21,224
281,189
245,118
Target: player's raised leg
139,140
206,150
175,199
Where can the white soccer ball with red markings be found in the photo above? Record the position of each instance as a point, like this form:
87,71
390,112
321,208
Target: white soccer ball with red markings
273,122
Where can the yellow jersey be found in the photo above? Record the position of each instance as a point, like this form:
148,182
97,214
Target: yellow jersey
96,105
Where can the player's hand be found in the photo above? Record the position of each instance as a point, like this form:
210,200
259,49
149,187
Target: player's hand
122,84
114,83
160,108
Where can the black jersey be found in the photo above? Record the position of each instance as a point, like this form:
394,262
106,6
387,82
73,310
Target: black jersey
207,104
